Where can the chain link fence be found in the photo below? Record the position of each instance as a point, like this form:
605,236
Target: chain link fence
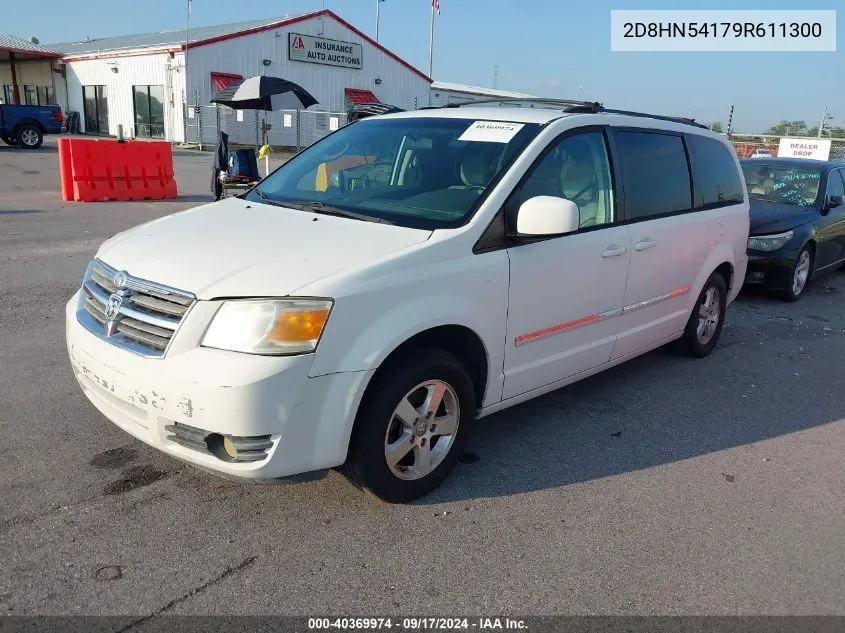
282,129
746,144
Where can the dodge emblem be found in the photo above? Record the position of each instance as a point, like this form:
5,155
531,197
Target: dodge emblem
113,306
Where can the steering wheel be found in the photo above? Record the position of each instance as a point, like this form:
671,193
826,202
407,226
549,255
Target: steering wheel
586,188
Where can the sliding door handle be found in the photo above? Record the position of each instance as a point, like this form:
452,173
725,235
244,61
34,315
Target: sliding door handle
614,250
644,244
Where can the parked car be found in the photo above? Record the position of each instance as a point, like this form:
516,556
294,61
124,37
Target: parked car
797,222
26,125
364,319
761,152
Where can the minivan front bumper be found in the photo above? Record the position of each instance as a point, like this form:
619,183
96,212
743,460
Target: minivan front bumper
303,422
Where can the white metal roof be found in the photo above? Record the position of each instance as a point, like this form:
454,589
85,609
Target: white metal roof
476,90
18,44
166,38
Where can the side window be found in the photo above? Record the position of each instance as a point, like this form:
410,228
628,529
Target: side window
716,178
655,172
835,185
577,168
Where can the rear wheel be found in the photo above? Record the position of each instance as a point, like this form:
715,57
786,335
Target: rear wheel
801,270
411,427
707,319
29,136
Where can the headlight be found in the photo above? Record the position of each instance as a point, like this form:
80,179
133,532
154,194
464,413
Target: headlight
769,242
268,326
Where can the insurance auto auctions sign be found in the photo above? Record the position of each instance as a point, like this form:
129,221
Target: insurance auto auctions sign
818,149
319,50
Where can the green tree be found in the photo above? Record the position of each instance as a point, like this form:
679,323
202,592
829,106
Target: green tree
716,126
789,128
835,132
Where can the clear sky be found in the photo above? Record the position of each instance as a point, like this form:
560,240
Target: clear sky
543,47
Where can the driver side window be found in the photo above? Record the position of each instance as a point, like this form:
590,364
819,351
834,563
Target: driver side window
578,169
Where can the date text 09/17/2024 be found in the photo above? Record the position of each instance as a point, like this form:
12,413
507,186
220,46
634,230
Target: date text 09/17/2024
417,624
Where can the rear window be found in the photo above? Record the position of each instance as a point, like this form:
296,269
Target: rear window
716,177
655,173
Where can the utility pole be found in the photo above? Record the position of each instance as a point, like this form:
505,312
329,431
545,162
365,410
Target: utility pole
823,122
730,121
378,16
495,76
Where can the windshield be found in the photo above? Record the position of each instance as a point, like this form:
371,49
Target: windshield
418,172
786,184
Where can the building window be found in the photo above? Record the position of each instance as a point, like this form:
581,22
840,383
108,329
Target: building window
45,95
96,103
30,95
149,111
8,94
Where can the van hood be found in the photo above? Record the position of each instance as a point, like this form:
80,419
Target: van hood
234,248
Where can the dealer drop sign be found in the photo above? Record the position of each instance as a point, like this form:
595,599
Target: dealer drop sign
319,50
817,149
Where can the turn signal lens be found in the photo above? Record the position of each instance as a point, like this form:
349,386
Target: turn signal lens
269,326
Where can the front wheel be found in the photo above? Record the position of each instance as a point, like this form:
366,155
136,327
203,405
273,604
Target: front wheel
29,137
411,427
797,282
707,319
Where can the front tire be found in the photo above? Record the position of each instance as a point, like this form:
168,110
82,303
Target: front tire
29,137
411,426
707,319
800,277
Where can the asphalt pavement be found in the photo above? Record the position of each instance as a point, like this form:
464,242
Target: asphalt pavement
664,486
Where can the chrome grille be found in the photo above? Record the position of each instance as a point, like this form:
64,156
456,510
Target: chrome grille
129,312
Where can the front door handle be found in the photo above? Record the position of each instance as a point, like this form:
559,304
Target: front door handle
614,250
644,244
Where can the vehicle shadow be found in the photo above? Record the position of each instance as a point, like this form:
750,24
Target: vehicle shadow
657,409
44,149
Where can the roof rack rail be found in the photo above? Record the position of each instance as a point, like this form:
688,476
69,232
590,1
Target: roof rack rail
573,106
593,106
676,119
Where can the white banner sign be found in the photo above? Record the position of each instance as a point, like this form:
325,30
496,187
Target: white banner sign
319,50
817,149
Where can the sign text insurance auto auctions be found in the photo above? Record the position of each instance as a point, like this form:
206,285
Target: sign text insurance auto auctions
319,50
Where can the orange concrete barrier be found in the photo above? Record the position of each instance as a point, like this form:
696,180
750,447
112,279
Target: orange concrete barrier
95,170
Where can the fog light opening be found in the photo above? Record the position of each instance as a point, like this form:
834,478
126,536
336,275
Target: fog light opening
232,448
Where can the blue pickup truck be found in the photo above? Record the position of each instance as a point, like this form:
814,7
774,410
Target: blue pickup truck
26,125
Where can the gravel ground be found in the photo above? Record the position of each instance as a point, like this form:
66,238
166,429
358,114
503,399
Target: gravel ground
664,486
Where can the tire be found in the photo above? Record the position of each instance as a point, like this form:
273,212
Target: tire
28,136
707,319
379,429
9,140
803,265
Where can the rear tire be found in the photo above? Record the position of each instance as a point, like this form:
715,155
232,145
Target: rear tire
29,136
800,276
707,319
399,450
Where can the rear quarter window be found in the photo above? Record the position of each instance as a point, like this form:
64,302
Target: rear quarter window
655,173
716,178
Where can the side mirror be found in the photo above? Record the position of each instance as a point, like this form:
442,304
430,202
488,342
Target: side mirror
833,202
547,215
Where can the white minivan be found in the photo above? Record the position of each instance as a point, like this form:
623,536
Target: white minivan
407,275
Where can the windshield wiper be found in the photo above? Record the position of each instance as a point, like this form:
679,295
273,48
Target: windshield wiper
267,198
327,209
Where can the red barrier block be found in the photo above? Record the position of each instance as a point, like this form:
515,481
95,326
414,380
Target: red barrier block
132,170
65,169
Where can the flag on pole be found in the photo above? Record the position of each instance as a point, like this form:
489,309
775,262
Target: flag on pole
436,5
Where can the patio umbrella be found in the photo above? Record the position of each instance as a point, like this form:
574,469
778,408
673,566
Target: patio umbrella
265,93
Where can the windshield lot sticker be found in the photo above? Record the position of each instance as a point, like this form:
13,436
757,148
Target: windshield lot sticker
491,132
